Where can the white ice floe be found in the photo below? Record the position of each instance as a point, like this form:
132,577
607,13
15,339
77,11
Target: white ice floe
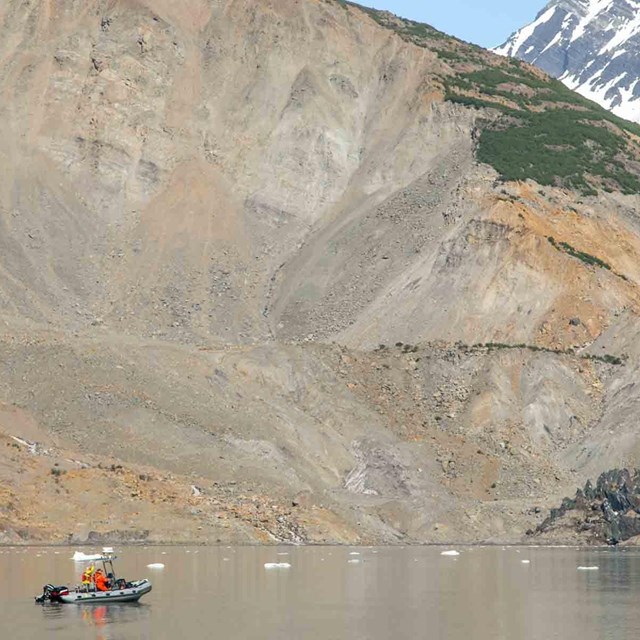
277,565
450,553
155,565
80,556
588,568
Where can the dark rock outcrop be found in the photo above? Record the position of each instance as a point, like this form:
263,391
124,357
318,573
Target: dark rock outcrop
607,512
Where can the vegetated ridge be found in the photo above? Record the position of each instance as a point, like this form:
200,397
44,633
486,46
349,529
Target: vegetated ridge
543,131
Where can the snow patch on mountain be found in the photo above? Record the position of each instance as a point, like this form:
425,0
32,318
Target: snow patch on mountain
522,36
593,46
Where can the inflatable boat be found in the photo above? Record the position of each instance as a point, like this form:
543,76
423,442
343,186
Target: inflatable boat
120,590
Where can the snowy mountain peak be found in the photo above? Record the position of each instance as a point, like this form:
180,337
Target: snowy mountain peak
593,46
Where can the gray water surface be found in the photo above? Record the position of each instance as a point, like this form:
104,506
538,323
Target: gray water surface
391,593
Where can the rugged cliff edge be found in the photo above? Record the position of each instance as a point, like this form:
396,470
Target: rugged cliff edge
300,271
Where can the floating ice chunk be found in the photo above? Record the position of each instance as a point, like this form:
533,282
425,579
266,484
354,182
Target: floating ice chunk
277,565
155,565
450,553
80,556
525,561
588,568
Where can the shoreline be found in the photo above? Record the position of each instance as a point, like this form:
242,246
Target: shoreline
467,545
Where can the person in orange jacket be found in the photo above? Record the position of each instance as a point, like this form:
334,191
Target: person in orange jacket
101,581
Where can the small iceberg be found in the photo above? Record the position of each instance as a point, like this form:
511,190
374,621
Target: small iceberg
450,553
277,565
155,565
588,568
79,556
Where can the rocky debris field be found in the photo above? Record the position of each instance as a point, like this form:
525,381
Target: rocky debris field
413,443
255,285
60,500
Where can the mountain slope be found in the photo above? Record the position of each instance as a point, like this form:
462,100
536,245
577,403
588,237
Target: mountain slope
591,45
318,262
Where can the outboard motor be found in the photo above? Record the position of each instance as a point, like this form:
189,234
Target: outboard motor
46,592
50,593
